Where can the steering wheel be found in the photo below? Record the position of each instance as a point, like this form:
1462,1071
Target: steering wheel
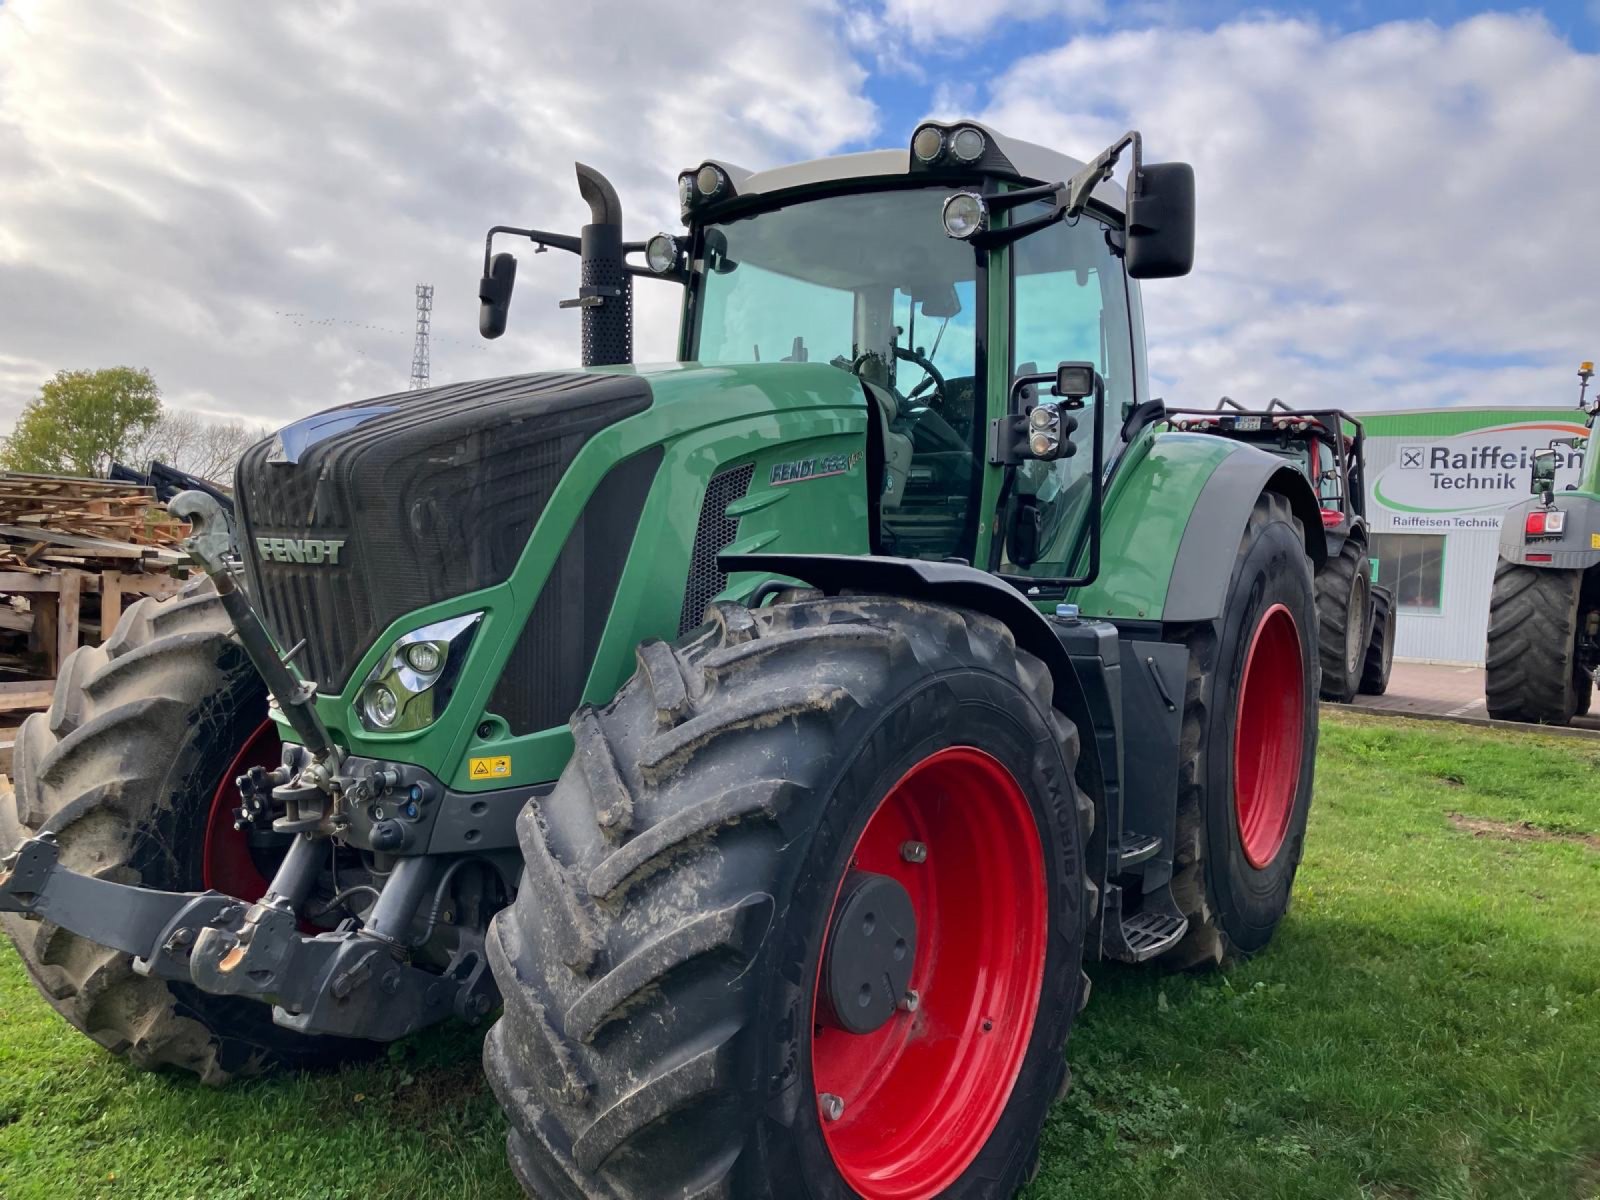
933,376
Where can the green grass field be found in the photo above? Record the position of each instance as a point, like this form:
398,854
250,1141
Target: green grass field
1427,1024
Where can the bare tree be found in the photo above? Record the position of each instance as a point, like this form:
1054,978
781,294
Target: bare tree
197,444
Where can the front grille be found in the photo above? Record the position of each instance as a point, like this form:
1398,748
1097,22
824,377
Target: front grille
434,492
713,535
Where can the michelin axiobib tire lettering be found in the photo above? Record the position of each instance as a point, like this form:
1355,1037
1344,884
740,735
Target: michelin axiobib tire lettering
1342,588
1531,672
661,963
1248,747
124,769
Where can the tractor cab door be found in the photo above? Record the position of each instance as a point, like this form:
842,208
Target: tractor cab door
1070,303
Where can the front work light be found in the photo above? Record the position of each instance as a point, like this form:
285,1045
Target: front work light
965,214
928,143
413,681
967,145
662,252
709,180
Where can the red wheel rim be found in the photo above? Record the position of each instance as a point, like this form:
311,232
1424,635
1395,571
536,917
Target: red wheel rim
1267,735
923,1092
226,864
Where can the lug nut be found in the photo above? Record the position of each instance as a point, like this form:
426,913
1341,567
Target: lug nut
910,1002
914,852
832,1106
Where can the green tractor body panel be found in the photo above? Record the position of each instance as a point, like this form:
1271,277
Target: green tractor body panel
1148,509
799,427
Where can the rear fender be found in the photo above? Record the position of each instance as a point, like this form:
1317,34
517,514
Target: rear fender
1575,548
1204,563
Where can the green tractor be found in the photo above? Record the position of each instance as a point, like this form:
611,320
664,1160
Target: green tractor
1356,616
770,736
1543,653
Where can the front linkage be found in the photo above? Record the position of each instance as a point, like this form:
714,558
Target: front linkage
355,981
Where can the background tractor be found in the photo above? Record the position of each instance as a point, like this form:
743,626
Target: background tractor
1543,654
770,735
1355,615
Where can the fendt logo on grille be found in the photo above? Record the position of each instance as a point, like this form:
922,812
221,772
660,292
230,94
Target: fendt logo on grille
316,551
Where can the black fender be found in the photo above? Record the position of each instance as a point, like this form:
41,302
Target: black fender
1204,563
959,586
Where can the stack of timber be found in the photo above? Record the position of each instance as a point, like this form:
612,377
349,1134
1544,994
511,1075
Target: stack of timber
72,553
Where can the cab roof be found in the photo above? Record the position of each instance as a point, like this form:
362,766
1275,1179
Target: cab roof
1006,157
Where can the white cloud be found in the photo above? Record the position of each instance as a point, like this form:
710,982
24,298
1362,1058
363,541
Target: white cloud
1378,210
180,176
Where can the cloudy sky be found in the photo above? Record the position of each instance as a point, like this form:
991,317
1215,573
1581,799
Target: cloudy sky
1399,203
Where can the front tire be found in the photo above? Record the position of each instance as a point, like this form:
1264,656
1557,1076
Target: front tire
1380,646
1248,749
1531,670
670,962
1343,587
125,769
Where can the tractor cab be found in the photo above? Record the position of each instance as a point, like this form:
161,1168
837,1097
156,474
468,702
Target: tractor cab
950,280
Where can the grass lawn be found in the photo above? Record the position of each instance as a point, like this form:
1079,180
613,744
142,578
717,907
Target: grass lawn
1427,1024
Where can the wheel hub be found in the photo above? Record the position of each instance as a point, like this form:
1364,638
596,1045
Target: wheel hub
871,953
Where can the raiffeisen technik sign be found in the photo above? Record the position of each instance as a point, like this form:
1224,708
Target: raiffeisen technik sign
1466,480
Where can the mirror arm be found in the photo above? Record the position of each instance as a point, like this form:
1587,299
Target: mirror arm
539,237
1098,171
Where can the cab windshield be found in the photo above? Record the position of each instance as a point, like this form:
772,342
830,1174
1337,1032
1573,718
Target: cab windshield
869,284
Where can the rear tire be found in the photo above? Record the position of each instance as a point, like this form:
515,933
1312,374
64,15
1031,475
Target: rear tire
1343,588
124,769
1380,647
662,1034
1531,671
1234,905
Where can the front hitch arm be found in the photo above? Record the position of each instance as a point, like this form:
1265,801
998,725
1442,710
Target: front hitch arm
358,984
156,927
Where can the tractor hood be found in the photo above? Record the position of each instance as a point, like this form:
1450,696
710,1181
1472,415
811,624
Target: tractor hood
360,515
356,516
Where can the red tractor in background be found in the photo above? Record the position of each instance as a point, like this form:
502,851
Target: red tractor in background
1355,615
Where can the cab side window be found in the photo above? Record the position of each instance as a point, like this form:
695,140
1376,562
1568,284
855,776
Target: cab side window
1071,305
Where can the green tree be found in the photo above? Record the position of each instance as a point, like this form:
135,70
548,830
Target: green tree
83,420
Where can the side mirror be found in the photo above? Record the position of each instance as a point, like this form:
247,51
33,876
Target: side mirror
494,295
1161,221
1544,472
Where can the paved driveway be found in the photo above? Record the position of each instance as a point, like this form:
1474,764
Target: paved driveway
1440,690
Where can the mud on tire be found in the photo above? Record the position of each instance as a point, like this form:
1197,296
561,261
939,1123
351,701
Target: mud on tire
123,769
656,963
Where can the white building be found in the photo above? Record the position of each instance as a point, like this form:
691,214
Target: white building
1437,483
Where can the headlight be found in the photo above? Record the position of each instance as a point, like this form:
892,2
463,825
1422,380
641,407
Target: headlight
416,676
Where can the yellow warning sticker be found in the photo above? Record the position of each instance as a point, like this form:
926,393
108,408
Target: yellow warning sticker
489,768
1594,541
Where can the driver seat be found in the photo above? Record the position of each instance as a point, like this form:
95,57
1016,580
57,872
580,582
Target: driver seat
897,448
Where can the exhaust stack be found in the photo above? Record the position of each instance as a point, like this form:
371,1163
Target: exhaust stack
605,292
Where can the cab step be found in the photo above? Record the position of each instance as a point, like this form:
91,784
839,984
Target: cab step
1155,928
1137,848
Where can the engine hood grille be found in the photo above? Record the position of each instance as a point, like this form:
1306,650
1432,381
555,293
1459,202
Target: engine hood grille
361,514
